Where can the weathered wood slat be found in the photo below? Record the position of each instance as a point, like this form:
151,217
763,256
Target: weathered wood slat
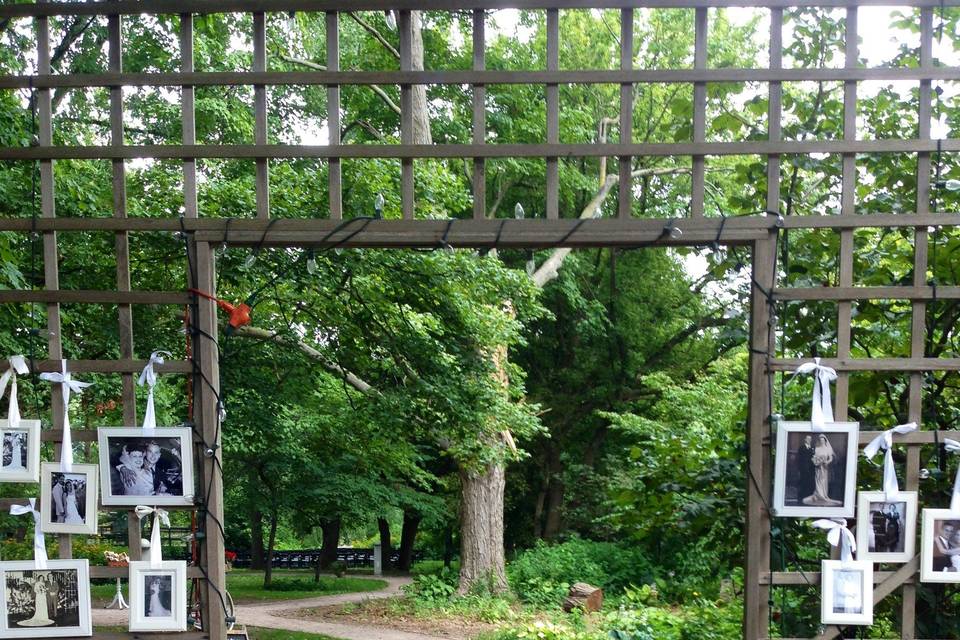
874,364
96,297
903,292
104,366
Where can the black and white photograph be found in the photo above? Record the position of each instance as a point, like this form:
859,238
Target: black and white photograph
847,596
153,468
20,459
940,555
886,529
46,603
158,596
816,470
69,499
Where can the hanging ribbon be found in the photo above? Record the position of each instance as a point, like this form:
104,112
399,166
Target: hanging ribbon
149,377
837,533
954,447
17,365
885,441
821,411
39,548
69,385
159,515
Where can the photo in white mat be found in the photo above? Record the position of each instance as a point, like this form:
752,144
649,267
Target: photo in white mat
68,500
45,603
816,470
158,596
20,453
150,468
846,592
886,528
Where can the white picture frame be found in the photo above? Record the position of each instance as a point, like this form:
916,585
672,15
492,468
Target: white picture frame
57,514
122,449
886,529
28,443
797,441
158,596
64,590
935,566
846,595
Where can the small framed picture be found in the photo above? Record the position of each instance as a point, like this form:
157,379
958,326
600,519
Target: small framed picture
49,603
815,470
154,469
886,529
940,546
21,451
158,597
68,501
846,592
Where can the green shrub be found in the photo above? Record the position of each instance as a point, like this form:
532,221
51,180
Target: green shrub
646,623
339,568
541,575
713,621
433,587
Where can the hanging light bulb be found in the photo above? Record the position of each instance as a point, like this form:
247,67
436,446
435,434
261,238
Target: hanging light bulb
391,20
518,211
291,21
311,262
251,259
378,205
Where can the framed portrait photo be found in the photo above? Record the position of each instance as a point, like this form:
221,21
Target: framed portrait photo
48,603
846,592
158,597
154,468
940,546
886,529
815,470
20,461
68,501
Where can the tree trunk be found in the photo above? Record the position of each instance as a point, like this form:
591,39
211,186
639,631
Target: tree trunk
554,523
331,539
481,533
256,539
408,536
268,568
418,93
386,550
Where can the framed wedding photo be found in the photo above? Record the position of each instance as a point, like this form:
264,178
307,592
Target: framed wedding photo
886,529
815,474
21,451
68,501
158,596
940,546
48,603
153,468
846,592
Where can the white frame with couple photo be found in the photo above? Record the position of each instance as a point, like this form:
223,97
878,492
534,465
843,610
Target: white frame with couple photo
89,524
928,572
846,507
828,593
185,437
31,471
140,571
83,628
908,526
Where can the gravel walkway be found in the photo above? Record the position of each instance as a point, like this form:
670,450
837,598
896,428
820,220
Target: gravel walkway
275,615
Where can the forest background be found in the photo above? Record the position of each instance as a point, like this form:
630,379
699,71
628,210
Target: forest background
598,395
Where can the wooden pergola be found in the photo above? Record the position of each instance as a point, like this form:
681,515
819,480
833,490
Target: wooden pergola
758,233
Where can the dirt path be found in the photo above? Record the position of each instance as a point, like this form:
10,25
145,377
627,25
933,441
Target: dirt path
276,615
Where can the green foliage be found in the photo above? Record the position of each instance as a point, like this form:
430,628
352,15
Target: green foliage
433,587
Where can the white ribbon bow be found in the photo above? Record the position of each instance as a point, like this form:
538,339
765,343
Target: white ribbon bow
39,548
821,411
837,533
159,515
954,447
885,441
17,365
68,385
149,377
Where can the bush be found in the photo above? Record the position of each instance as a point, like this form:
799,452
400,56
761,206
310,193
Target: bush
433,587
541,575
339,568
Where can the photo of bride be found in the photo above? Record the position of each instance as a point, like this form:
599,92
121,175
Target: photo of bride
69,500
158,595
14,451
20,451
45,603
815,470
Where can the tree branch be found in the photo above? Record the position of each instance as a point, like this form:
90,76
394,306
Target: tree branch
550,268
272,336
319,67
376,34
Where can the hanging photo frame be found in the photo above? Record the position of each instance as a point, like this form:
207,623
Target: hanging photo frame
940,546
158,596
846,592
815,474
45,603
140,466
21,451
69,500
886,526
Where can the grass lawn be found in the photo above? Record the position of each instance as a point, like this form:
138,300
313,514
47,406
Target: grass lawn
246,585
